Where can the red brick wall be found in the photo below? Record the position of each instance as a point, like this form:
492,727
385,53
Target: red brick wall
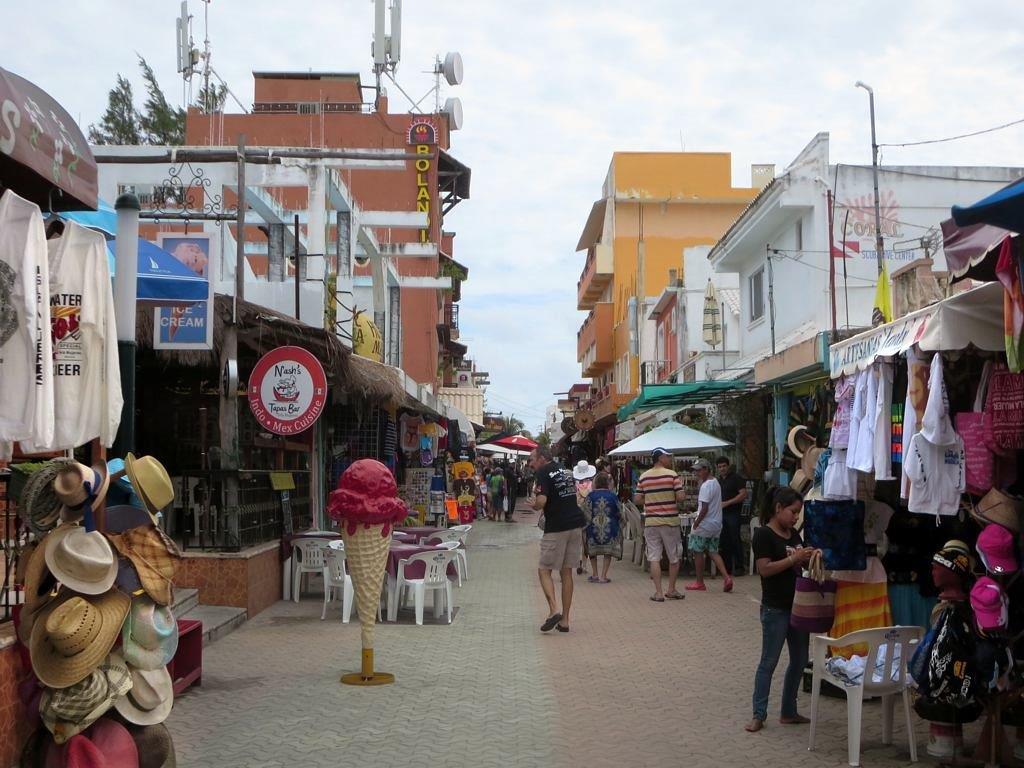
253,582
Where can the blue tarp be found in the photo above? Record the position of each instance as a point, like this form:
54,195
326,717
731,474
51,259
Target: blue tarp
1004,208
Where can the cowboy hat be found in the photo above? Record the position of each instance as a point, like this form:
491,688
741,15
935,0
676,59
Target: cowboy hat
40,588
150,482
149,637
40,506
68,711
80,559
999,507
799,432
583,470
156,749
154,556
150,699
76,485
73,634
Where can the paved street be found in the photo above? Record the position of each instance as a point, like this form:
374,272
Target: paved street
635,683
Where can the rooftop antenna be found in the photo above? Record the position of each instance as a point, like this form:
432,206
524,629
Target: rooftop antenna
190,58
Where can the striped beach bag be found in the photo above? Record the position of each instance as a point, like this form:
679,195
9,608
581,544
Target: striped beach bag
814,604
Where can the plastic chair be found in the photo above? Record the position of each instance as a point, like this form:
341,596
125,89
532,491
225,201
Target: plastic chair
336,577
307,557
454,547
755,523
463,563
435,579
906,640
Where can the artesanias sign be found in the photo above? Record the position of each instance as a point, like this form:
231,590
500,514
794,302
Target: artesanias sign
287,390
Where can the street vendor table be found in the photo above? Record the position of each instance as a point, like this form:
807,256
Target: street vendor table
420,531
398,551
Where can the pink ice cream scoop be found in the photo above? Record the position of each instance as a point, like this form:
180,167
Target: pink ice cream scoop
367,493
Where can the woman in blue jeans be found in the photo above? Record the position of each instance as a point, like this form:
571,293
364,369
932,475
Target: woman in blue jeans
778,556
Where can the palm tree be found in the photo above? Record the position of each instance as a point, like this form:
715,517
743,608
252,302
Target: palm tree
512,425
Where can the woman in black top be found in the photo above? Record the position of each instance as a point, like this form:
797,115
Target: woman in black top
778,556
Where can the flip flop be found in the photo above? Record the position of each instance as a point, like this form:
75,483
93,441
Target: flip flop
675,596
560,628
604,581
657,599
593,579
548,625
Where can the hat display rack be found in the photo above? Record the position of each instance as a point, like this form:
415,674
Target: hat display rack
96,627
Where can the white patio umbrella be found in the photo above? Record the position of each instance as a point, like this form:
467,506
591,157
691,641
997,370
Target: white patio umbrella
673,437
712,317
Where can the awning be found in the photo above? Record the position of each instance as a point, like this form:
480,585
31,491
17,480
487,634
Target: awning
465,425
673,437
968,249
1004,208
42,149
664,395
163,280
594,227
972,318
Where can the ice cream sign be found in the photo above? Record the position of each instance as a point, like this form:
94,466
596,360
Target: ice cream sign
287,390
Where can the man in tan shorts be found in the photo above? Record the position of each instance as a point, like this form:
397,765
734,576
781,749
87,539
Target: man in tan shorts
561,547
659,491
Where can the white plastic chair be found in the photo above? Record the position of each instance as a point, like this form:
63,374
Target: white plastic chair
336,577
462,534
307,557
873,683
755,523
454,547
435,579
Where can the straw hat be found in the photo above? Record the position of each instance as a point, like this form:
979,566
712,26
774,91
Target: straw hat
796,435
80,559
150,481
156,749
76,485
70,710
73,634
999,507
40,588
149,637
40,506
155,557
150,699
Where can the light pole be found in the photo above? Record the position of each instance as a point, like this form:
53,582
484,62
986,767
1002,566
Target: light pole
879,246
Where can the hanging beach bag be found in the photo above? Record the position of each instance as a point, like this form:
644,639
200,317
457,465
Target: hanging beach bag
1004,414
814,604
970,425
837,529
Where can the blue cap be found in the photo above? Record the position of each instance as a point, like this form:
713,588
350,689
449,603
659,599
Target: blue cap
660,452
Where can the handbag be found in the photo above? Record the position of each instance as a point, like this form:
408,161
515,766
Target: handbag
814,603
970,425
837,529
1004,416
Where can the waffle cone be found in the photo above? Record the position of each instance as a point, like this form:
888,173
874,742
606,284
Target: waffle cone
366,552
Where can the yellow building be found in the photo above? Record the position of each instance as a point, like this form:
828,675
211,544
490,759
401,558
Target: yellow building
653,205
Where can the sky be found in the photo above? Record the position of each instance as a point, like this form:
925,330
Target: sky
552,89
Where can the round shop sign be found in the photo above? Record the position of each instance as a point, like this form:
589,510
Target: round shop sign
287,390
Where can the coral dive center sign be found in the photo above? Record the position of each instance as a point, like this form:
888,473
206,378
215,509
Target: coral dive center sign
287,390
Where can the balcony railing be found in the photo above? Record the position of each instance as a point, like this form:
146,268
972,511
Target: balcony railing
655,371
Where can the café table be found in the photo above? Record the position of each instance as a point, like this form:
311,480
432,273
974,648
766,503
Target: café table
420,531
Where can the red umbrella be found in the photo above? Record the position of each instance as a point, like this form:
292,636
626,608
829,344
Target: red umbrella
514,443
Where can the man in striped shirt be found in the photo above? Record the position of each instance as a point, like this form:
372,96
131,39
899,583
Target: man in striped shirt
659,491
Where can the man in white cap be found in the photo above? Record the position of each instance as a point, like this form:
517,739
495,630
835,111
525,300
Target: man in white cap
707,527
660,491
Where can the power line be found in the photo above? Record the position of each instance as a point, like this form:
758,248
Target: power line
782,253
957,137
883,169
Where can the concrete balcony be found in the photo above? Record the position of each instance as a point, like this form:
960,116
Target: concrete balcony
594,341
607,401
598,272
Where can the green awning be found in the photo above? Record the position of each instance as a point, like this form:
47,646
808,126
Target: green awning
666,395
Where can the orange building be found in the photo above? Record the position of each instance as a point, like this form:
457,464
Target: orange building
327,110
653,205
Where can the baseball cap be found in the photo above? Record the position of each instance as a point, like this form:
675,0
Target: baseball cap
995,546
702,464
989,603
660,452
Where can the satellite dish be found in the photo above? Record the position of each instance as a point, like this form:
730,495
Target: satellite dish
453,108
452,68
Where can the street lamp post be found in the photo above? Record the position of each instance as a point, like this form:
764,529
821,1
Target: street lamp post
879,245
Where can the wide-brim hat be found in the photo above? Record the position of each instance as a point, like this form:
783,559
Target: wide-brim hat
78,486
156,748
999,507
150,699
154,556
150,482
73,635
40,507
149,636
115,742
797,435
80,559
40,588
69,711
583,470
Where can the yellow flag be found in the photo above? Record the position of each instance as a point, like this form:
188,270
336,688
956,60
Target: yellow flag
882,313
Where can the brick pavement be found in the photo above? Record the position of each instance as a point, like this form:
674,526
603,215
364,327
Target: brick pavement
634,683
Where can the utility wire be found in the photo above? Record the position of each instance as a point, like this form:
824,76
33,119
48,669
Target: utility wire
957,137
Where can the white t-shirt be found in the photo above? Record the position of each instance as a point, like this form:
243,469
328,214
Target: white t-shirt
861,456
87,381
26,378
710,494
882,436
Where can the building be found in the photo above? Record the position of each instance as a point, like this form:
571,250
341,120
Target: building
653,205
803,281
328,110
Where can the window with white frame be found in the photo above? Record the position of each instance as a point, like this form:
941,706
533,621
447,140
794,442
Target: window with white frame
755,285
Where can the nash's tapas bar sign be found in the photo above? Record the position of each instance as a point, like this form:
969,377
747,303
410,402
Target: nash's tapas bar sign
287,390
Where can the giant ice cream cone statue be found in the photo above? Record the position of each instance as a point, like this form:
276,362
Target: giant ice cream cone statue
367,505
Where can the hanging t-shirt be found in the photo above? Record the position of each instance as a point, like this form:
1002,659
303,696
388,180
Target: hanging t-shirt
861,455
840,435
936,475
840,482
26,378
857,411
409,430
87,381
882,434
917,380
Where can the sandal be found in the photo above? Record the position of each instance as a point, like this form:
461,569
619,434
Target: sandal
795,720
561,628
603,581
657,599
675,596
593,579
754,726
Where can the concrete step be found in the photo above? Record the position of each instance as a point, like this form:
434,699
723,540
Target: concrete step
218,620
185,599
